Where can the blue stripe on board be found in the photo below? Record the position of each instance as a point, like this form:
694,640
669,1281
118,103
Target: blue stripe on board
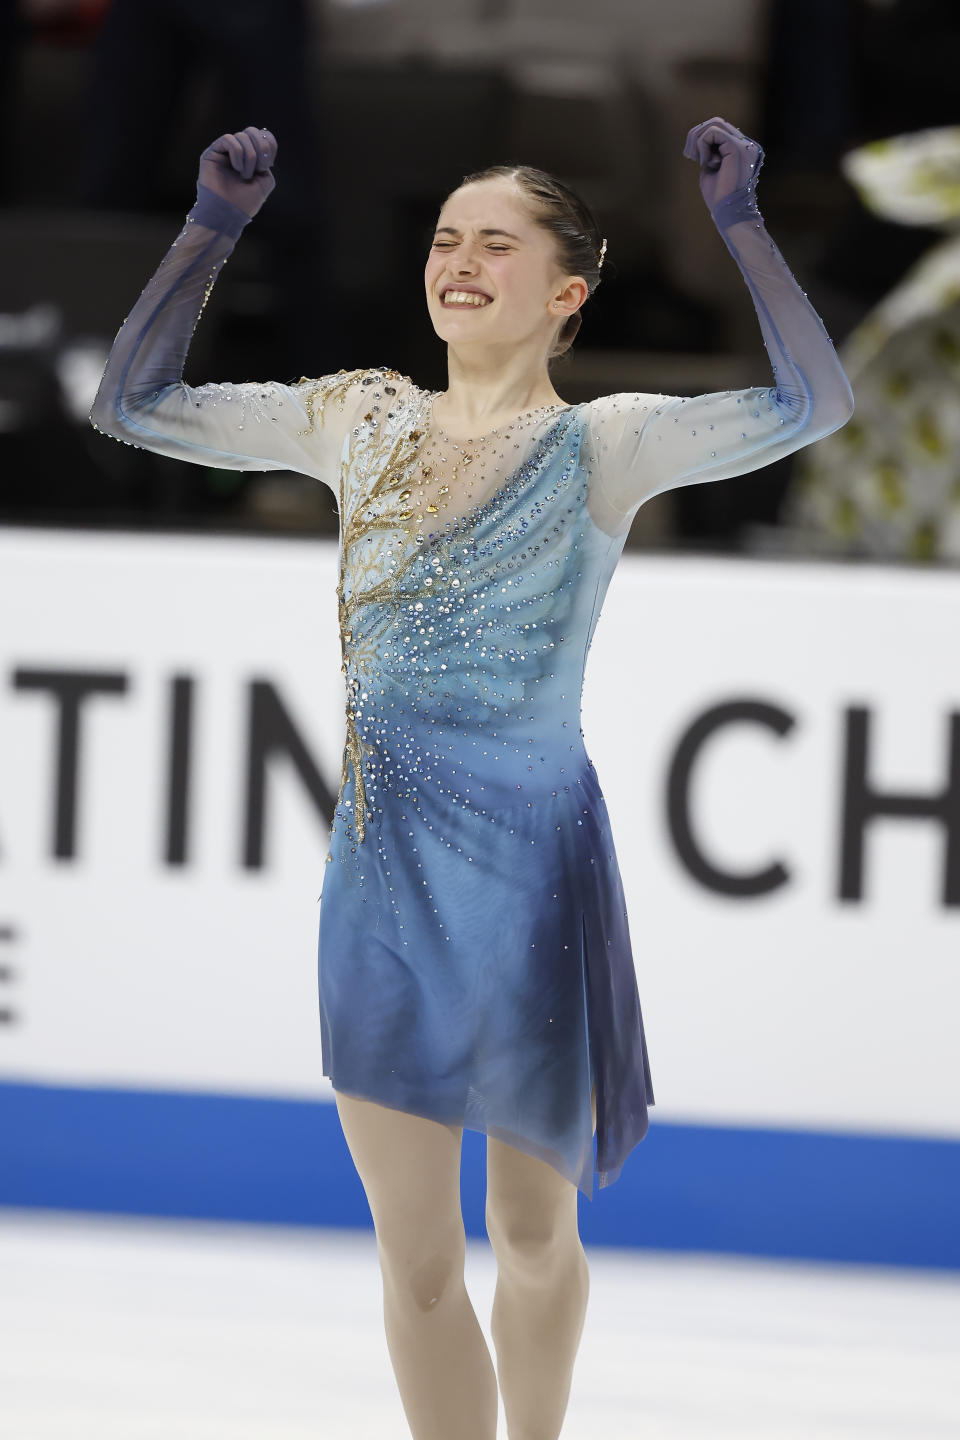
803,1194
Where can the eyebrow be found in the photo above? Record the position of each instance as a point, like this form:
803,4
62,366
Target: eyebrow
451,230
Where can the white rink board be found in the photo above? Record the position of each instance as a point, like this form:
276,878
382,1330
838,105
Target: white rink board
790,1008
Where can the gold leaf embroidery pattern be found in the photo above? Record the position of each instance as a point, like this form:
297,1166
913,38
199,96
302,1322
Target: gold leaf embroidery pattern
366,507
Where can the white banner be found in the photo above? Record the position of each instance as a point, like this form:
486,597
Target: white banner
775,742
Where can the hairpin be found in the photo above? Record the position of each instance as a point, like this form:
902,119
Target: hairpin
603,251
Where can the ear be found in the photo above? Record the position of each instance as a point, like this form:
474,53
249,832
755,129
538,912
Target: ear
571,295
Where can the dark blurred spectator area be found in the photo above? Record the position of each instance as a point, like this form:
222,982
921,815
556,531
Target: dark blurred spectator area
380,106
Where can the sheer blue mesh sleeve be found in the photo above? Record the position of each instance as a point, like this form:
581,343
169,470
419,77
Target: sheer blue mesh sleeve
644,444
249,425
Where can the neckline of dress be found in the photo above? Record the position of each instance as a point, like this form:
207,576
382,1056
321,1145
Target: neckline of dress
488,434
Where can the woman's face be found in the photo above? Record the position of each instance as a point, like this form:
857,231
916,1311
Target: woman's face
492,275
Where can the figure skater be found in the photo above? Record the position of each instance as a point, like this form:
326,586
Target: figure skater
475,964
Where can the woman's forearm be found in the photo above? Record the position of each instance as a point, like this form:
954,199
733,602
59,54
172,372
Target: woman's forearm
143,400
141,390
812,388
654,443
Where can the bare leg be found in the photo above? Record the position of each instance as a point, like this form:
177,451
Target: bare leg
410,1169
543,1284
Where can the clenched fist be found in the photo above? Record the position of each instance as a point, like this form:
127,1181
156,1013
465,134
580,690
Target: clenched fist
237,168
729,160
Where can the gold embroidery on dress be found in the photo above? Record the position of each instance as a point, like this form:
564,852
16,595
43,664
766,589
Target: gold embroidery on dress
376,485
335,387
390,485
379,506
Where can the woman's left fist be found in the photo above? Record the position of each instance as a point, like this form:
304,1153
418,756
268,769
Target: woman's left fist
729,160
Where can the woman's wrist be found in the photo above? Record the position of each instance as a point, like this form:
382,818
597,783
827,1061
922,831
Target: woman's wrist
739,205
215,213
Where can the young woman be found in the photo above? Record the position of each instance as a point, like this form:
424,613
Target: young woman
475,962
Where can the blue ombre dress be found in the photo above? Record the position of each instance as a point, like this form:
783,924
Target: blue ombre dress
475,958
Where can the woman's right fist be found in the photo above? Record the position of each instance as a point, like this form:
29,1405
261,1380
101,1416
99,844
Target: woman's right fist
237,168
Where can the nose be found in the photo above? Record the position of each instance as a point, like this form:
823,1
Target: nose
466,260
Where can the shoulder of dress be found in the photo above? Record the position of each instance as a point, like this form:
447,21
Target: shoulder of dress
626,407
627,400
318,392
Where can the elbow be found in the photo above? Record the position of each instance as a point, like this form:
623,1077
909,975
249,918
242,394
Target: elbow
101,415
116,414
838,399
105,417
848,402
833,412
107,420
842,399
812,414
105,412
816,411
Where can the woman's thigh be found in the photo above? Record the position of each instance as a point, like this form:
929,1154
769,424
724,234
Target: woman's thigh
409,1166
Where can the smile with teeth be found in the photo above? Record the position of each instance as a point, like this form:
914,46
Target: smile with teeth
464,297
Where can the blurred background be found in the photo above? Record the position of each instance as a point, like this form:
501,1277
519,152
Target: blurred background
184,1245
380,107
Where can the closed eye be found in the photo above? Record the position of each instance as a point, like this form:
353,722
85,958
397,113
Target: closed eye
451,245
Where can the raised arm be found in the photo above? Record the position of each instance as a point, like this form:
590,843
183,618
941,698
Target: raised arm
644,444
142,398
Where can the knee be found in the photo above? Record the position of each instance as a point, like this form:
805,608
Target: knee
420,1268
532,1238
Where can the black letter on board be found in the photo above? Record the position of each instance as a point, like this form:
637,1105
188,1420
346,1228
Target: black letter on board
70,688
178,772
272,732
862,803
735,712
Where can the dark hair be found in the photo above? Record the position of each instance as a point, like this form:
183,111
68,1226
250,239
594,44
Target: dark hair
568,220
